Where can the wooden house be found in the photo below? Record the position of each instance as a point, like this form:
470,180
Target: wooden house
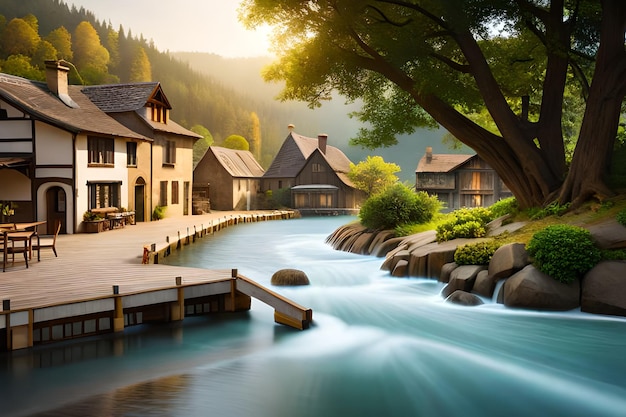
59,154
459,180
232,178
315,174
144,108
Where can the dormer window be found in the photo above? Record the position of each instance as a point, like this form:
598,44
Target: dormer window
159,113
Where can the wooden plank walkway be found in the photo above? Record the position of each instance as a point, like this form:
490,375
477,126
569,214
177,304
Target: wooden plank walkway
89,265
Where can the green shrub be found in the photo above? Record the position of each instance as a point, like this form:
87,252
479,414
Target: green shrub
398,205
159,212
465,223
479,253
503,207
553,209
563,252
621,217
89,216
613,254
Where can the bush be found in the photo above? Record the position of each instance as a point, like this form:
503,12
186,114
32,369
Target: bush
398,205
503,207
159,213
621,217
563,252
89,216
553,209
479,253
465,223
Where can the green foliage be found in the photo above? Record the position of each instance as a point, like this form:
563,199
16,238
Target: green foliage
478,253
236,142
398,205
621,217
18,38
373,175
413,228
613,254
89,216
503,207
563,252
553,209
140,70
201,145
159,212
465,223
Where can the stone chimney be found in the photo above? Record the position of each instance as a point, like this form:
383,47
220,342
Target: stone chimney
322,140
429,154
56,78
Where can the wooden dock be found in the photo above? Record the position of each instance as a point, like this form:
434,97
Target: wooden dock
98,283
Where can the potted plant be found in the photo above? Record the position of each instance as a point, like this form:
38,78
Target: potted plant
93,222
7,209
159,213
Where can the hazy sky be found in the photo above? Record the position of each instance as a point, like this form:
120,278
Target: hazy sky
182,25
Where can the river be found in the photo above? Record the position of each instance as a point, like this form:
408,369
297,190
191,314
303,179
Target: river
379,346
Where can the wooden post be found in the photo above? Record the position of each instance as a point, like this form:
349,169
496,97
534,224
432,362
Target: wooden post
118,314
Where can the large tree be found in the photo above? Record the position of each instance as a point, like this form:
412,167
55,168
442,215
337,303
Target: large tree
494,73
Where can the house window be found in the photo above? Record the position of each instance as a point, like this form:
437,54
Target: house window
169,153
104,194
326,200
101,151
317,167
174,192
163,193
131,154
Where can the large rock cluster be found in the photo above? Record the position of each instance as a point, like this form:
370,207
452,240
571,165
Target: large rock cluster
519,284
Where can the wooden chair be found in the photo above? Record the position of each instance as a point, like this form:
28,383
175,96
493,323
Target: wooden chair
10,248
50,243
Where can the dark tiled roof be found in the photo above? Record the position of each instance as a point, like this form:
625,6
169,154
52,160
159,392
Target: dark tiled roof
117,98
294,152
120,100
34,98
238,163
442,162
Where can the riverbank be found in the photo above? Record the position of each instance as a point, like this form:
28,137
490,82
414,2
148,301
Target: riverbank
510,278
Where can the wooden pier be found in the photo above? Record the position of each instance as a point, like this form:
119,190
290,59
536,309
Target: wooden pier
99,285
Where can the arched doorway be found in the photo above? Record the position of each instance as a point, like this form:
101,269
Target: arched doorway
56,209
140,200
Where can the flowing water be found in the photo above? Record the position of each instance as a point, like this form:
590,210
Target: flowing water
379,346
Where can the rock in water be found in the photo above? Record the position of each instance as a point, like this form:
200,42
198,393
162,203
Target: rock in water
289,277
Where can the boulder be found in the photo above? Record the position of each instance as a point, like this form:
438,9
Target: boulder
464,298
362,243
380,237
531,288
426,261
446,270
391,262
386,246
462,278
609,234
604,289
507,260
289,277
484,284
400,269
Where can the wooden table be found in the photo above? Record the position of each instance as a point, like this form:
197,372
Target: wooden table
19,232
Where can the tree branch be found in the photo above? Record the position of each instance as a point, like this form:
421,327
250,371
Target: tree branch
464,68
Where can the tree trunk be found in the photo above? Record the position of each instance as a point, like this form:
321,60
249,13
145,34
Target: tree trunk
594,150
